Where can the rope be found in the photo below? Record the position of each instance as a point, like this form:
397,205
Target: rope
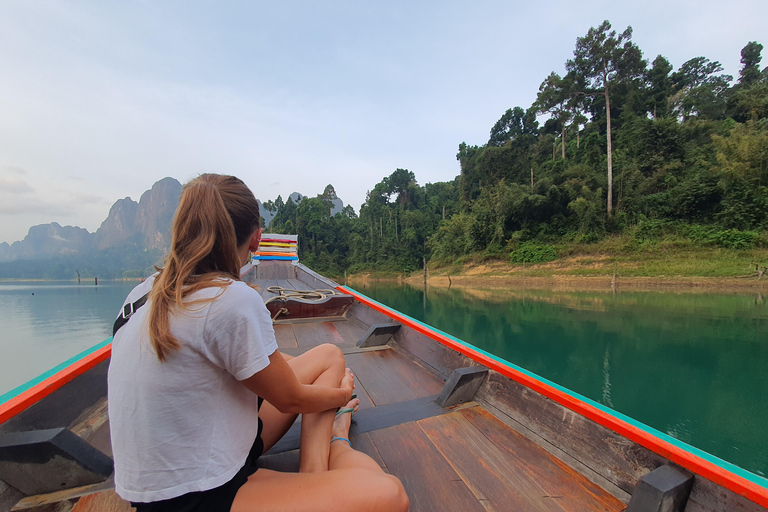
306,296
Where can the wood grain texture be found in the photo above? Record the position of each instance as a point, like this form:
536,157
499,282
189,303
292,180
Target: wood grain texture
332,333
707,496
309,335
285,336
388,377
433,354
570,490
495,479
429,480
351,330
367,315
613,457
364,443
106,501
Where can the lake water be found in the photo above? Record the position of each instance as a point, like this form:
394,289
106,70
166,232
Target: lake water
694,366
44,323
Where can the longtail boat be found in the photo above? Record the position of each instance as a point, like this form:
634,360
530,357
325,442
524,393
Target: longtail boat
462,429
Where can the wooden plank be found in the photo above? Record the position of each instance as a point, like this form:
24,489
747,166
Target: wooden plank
33,502
332,333
388,377
101,440
90,420
364,443
8,496
106,501
309,334
429,480
296,284
64,406
275,270
367,315
434,354
492,477
553,479
351,330
263,284
598,450
707,496
285,336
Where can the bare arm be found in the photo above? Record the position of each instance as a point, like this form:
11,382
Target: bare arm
278,385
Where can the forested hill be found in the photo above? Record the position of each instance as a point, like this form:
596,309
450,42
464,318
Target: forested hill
615,144
616,147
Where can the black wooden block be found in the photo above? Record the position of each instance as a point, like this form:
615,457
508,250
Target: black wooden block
461,386
378,335
665,489
43,461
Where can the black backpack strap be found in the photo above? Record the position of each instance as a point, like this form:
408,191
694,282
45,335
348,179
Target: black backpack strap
128,311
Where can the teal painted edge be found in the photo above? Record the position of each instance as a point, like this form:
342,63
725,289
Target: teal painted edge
728,466
53,371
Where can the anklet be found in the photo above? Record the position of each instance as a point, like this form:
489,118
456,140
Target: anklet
341,439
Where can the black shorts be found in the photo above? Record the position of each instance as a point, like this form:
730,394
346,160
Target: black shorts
219,499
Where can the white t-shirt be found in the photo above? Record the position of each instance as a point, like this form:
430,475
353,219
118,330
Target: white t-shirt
187,424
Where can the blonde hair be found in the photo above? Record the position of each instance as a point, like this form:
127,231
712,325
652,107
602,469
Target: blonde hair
215,216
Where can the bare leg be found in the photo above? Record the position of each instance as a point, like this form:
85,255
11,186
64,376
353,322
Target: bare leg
322,365
354,482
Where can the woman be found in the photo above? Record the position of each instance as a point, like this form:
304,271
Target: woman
189,372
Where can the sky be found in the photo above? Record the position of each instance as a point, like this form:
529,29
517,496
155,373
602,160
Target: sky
99,100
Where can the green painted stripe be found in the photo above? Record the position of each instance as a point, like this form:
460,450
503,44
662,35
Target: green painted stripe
53,371
743,473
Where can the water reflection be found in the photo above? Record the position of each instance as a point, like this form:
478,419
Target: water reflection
45,323
691,365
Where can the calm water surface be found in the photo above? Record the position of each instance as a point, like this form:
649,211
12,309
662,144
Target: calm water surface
694,366
44,323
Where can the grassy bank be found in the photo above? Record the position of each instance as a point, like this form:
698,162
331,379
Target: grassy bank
650,264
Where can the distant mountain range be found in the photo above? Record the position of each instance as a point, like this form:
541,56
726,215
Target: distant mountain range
146,224
132,238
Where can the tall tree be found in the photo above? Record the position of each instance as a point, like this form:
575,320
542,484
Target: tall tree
750,60
513,123
603,59
700,90
659,87
555,98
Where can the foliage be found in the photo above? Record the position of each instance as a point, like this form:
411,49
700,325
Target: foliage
533,252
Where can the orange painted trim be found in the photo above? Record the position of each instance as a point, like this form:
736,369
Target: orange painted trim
39,391
706,469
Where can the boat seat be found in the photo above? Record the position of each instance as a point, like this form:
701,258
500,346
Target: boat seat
42,461
378,335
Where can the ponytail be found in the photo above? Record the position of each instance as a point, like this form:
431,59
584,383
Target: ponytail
216,215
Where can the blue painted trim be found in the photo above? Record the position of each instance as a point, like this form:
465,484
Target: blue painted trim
285,258
747,475
53,371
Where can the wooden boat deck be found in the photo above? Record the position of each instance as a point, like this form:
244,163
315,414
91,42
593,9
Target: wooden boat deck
461,459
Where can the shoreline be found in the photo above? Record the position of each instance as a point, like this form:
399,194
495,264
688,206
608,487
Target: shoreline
571,283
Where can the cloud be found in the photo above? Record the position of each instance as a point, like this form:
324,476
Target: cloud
12,185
